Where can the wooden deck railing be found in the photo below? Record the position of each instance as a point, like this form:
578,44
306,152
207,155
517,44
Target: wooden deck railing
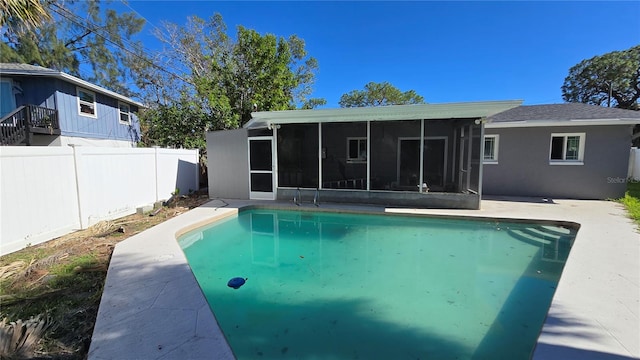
18,126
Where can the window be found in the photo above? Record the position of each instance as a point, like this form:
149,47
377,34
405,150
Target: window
86,103
490,149
125,113
567,149
357,149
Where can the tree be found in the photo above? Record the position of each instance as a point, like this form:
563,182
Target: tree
379,94
612,79
29,13
179,125
100,40
216,82
313,103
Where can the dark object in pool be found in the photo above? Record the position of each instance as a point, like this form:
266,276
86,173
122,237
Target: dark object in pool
236,282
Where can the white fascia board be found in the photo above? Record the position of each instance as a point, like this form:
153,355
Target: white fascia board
467,110
96,88
548,123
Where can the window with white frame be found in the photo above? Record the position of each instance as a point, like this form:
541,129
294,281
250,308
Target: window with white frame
567,148
86,103
491,149
125,113
357,149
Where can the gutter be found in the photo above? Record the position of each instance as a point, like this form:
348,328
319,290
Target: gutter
548,123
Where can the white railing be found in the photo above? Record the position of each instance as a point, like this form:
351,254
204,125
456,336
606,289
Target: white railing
46,192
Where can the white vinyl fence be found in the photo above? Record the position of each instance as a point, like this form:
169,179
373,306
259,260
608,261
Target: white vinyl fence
46,192
634,164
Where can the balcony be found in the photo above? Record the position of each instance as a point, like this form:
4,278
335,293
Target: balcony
18,127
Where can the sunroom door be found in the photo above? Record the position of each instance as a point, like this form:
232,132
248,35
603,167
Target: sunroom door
261,174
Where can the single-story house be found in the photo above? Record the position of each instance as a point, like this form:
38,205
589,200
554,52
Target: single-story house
570,150
40,106
427,155
430,155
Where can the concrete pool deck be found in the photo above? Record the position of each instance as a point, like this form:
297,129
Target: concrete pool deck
152,307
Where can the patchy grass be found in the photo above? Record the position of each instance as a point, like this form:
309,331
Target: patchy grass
62,281
631,200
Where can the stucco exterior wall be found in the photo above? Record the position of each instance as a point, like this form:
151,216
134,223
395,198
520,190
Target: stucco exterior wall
228,164
523,167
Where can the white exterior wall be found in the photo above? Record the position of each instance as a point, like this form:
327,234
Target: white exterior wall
46,192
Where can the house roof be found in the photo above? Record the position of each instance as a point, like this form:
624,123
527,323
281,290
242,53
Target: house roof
462,110
33,70
569,114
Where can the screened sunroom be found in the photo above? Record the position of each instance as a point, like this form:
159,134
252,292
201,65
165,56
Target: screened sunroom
409,155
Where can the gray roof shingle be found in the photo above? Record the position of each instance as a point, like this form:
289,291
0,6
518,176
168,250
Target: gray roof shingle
562,112
25,69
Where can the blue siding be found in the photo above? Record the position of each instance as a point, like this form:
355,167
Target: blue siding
61,95
107,124
35,91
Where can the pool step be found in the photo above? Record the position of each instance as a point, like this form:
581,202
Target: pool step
538,233
554,244
554,230
529,238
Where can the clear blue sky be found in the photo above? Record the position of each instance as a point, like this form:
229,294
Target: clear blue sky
446,51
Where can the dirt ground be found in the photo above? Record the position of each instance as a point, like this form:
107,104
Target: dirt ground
58,285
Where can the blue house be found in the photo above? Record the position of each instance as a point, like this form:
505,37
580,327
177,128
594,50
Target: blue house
40,106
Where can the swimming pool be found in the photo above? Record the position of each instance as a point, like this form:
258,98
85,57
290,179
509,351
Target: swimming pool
327,285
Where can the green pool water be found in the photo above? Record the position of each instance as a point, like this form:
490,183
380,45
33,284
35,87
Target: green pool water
325,285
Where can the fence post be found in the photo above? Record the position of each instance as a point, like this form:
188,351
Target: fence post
155,169
634,164
77,177
197,187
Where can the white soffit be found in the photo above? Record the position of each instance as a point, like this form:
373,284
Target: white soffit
463,110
